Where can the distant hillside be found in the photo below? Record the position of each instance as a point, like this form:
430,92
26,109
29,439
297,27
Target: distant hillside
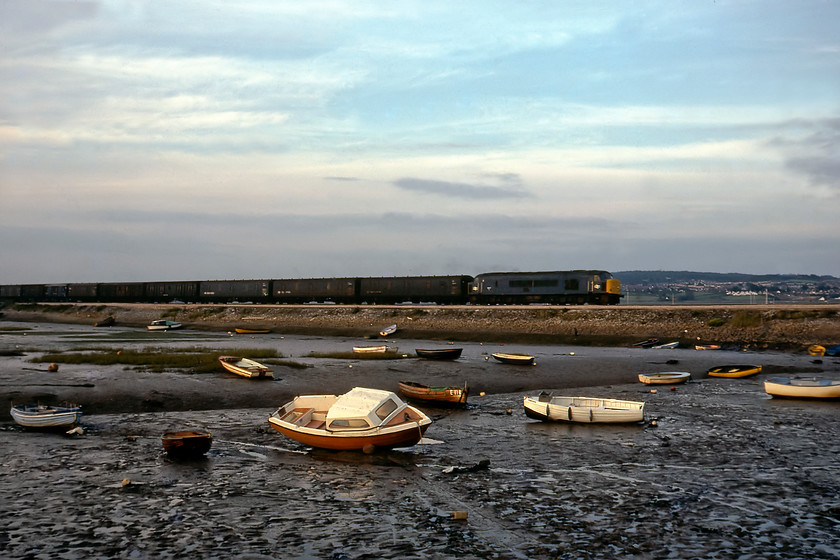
656,277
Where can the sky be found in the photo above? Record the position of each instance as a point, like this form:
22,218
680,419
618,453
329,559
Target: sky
201,139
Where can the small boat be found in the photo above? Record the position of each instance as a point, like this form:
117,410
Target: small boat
252,331
734,371
361,419
388,331
707,346
438,395
516,359
816,350
646,343
833,350
186,444
666,346
245,367
164,325
373,349
41,416
108,321
585,410
803,387
439,354
664,377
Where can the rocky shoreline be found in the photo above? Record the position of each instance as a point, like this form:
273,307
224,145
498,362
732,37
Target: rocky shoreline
785,327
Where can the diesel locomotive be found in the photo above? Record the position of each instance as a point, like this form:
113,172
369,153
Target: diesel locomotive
576,287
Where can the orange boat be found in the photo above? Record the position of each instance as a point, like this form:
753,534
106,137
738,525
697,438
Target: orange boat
361,419
454,396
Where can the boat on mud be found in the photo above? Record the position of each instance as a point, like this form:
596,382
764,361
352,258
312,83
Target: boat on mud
46,417
186,444
734,370
450,396
515,359
239,330
439,354
664,377
163,325
361,419
388,331
373,349
803,387
585,410
245,367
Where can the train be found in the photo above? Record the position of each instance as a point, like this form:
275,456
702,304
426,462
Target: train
569,287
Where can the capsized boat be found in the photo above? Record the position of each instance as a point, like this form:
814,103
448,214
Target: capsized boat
245,367
586,410
734,371
163,325
42,416
361,419
186,444
803,387
439,354
450,395
664,377
516,359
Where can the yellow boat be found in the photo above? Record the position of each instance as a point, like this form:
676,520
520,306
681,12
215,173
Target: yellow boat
252,331
734,371
816,350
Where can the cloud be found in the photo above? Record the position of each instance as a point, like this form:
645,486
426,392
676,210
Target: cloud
817,155
464,190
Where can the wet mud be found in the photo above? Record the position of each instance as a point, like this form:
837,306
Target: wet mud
717,470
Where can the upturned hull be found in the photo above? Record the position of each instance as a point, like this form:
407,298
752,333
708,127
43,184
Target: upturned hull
443,354
186,444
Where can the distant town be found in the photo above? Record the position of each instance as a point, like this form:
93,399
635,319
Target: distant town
685,287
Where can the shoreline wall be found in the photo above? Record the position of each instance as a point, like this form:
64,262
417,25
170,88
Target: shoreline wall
748,326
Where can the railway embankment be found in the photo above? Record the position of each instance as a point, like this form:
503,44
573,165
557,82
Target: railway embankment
747,326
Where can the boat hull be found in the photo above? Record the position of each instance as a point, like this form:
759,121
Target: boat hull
442,354
734,371
252,331
448,396
245,367
46,417
186,444
802,388
514,359
372,349
584,410
665,377
405,437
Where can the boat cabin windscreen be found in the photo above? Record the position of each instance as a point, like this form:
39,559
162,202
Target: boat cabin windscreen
386,408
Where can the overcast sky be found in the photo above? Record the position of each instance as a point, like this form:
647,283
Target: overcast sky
144,140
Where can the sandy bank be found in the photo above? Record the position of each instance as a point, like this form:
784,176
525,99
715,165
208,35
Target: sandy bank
757,326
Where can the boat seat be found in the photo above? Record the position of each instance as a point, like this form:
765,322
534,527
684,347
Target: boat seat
305,417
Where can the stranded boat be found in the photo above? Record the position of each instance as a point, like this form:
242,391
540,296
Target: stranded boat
164,325
438,395
664,377
585,410
803,387
440,354
515,359
372,349
361,419
734,371
186,444
41,416
251,331
245,367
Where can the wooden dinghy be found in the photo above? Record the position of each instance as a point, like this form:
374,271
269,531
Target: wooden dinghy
452,396
515,359
186,444
163,325
361,419
734,371
245,367
803,387
664,377
439,354
388,331
585,410
46,417
251,331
